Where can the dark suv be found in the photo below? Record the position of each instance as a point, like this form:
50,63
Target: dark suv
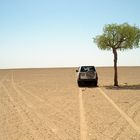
87,75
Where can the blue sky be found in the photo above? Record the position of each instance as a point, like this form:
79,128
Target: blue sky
58,33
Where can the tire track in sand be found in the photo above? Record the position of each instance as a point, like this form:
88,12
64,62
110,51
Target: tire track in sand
4,129
83,125
3,78
57,125
44,130
123,114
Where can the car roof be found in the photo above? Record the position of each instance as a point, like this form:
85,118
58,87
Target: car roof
83,67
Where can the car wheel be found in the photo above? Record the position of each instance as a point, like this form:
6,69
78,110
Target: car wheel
79,84
96,83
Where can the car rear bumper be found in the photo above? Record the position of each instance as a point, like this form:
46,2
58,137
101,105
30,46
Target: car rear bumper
88,80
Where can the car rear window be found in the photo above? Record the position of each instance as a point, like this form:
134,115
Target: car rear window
87,68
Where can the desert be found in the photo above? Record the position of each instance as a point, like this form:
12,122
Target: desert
47,104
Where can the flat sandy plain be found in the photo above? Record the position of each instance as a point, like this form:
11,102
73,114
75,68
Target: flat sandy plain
46,104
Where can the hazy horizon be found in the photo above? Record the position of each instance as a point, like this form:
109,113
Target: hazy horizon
58,67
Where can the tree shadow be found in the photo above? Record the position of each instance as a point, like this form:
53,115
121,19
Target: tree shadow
124,87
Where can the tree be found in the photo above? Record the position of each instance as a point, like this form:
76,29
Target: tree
118,37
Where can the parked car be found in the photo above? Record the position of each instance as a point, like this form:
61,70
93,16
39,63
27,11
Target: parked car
87,75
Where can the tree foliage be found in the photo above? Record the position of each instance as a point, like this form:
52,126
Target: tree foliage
118,37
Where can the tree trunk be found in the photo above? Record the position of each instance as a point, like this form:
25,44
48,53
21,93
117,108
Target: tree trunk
115,68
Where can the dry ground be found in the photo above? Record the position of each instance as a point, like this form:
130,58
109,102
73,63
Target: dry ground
46,104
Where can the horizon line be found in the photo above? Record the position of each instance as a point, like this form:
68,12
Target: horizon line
13,68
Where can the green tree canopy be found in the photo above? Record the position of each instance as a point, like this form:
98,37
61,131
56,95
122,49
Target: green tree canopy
118,37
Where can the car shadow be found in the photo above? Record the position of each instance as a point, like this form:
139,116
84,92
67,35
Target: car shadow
123,87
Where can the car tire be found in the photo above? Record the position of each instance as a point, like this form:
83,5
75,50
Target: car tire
96,84
79,84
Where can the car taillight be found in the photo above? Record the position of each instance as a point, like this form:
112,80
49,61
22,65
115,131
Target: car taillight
79,75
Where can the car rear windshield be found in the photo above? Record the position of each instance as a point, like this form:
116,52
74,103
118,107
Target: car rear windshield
87,68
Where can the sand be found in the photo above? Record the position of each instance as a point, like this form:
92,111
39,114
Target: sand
47,104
